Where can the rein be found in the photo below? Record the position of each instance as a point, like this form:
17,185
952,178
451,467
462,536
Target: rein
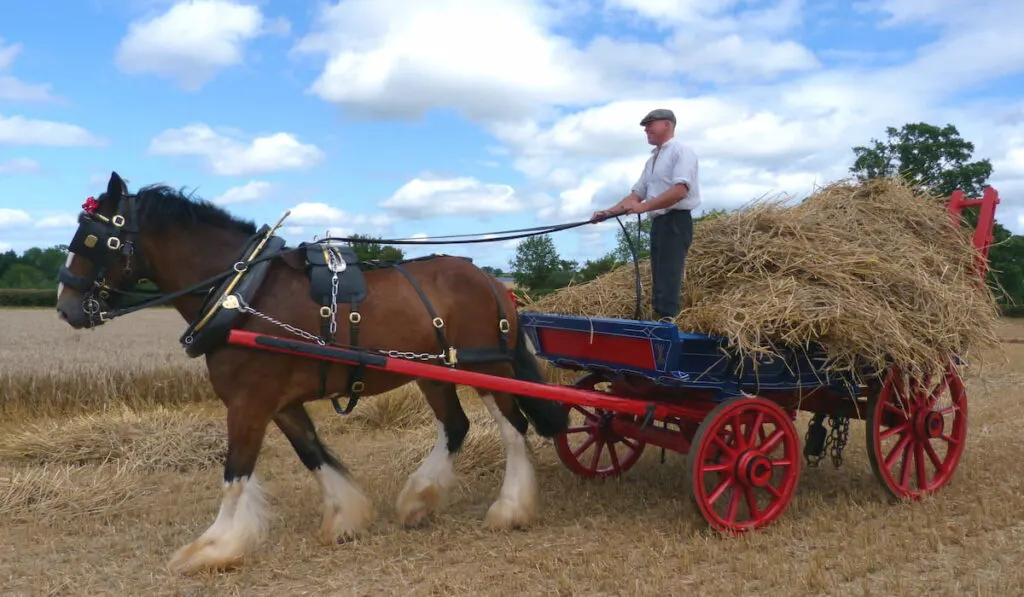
97,232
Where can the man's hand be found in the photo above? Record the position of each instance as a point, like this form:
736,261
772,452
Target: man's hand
621,208
637,208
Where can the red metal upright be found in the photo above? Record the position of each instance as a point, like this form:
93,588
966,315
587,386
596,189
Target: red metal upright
983,231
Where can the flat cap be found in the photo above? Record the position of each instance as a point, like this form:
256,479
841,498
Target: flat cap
658,114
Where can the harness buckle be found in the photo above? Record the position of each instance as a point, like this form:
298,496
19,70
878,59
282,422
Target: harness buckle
117,220
113,243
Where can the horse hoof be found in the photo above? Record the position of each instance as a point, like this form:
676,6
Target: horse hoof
340,526
505,514
205,555
418,501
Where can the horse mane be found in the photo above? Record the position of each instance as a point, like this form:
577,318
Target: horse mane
161,207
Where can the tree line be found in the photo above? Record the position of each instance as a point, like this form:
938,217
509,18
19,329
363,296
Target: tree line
937,158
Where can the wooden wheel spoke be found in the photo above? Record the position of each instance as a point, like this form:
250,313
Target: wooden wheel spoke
584,446
933,455
632,443
756,429
613,455
905,426
583,429
741,443
597,455
724,484
905,470
734,505
724,447
772,442
922,473
890,459
754,511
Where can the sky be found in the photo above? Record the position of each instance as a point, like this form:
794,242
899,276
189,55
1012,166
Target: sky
399,118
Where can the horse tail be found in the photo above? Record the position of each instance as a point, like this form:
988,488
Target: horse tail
549,418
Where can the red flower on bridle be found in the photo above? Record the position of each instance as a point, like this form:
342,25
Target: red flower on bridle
91,205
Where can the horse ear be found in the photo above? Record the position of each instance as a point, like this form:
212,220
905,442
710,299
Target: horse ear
116,187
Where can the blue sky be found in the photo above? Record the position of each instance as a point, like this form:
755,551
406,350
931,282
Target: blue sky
451,117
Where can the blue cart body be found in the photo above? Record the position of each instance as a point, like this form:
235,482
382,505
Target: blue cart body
663,354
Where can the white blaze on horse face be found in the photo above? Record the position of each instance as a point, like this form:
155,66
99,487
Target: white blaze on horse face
67,264
428,487
347,511
240,525
517,502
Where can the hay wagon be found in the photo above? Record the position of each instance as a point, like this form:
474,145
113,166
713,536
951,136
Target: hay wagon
646,383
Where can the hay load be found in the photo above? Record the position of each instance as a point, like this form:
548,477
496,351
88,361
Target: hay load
871,271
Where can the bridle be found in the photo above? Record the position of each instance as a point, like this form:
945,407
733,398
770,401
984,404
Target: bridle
101,241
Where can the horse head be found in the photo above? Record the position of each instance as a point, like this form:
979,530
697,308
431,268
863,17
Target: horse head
154,237
103,266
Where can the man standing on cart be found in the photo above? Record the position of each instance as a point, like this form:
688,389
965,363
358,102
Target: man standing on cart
668,189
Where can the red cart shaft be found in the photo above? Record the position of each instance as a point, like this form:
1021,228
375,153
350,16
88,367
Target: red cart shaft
558,393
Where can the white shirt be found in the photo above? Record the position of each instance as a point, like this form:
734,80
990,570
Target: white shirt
670,164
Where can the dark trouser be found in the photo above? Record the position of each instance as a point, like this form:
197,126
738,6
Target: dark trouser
671,235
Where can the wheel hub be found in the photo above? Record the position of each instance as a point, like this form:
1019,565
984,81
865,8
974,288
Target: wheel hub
929,424
754,468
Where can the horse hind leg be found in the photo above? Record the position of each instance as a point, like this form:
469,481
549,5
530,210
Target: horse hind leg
427,489
347,511
241,522
517,501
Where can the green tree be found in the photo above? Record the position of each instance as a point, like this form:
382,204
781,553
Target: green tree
596,267
538,267
23,276
368,248
933,157
938,159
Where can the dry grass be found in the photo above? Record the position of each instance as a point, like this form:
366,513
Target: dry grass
870,271
87,513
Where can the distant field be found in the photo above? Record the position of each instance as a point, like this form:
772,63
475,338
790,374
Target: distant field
109,460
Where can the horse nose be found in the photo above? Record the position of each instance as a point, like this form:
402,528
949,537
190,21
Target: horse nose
61,313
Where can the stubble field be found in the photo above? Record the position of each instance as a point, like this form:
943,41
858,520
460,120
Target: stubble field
110,450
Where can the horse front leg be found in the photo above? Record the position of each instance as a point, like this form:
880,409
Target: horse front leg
347,511
242,519
516,506
427,489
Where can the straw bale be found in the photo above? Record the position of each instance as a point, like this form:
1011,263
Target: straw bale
873,272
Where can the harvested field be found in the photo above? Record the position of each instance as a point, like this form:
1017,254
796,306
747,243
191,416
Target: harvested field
109,461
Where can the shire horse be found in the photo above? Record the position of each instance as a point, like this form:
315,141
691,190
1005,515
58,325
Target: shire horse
222,273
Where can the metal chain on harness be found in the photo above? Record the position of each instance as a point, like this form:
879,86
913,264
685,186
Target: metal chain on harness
832,442
336,264
234,301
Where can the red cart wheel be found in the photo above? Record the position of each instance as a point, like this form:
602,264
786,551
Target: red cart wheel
744,464
916,435
589,447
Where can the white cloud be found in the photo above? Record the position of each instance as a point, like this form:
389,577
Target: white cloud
193,40
18,130
494,59
234,156
254,190
13,89
58,221
338,222
19,166
13,217
763,137
426,198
